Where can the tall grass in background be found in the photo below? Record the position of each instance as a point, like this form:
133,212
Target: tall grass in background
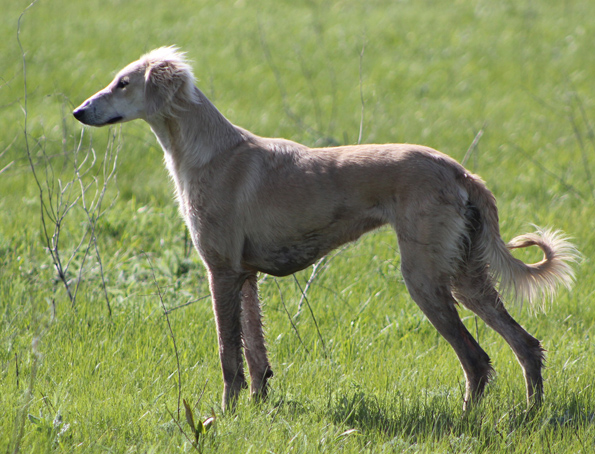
106,325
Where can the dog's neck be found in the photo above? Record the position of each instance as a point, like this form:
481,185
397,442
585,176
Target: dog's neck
193,133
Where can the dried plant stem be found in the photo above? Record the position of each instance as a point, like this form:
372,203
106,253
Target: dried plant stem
171,332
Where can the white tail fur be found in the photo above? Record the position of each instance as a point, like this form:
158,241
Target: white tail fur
538,281
521,281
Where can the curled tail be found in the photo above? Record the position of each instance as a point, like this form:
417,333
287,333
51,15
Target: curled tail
541,279
529,282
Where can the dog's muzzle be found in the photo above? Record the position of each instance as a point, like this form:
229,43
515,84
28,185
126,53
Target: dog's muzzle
85,113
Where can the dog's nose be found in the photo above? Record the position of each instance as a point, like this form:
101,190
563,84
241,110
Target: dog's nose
81,111
78,113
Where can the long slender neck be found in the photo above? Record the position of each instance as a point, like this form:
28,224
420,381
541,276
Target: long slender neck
193,133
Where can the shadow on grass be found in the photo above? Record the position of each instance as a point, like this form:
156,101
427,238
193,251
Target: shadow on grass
435,418
400,417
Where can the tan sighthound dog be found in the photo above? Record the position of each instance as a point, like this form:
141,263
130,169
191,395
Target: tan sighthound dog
254,204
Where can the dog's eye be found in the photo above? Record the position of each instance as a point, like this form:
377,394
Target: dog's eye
123,82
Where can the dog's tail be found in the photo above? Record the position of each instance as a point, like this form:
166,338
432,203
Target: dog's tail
528,282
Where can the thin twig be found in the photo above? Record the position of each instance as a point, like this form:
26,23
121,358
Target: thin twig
20,422
177,423
317,270
16,363
590,135
279,80
544,169
171,332
59,197
186,304
28,400
312,88
588,125
103,283
289,317
473,146
579,138
53,241
9,165
312,314
313,275
361,94
93,209
582,146
204,388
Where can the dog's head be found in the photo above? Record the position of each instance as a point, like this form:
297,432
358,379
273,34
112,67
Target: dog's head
145,88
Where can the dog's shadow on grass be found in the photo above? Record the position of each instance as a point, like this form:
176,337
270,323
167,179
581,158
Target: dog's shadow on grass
403,417
435,417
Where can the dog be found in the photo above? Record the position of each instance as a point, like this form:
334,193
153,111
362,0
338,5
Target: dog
262,205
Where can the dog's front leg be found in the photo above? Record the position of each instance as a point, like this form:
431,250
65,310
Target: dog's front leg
225,291
254,345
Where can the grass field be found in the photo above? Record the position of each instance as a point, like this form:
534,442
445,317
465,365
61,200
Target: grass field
357,366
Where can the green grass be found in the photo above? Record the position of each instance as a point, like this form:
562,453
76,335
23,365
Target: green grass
378,378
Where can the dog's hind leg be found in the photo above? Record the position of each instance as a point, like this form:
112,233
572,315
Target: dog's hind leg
225,291
431,291
476,291
255,349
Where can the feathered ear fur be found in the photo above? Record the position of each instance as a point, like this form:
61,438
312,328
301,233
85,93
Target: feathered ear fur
161,84
167,72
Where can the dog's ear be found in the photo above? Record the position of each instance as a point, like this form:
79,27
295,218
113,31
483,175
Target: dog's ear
162,81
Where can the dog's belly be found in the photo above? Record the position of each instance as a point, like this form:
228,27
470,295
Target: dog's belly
288,256
286,259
